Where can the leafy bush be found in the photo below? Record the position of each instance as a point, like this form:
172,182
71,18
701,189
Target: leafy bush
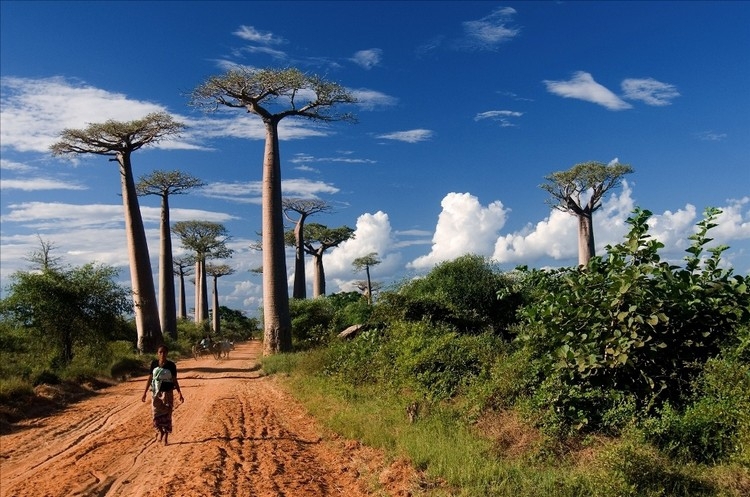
311,321
462,293
711,428
630,323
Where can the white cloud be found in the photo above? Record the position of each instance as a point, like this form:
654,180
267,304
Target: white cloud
249,33
501,116
372,233
37,184
410,136
490,31
583,87
464,226
650,91
711,136
35,111
8,165
368,58
371,99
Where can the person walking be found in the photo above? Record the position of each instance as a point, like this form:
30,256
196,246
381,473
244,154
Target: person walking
162,382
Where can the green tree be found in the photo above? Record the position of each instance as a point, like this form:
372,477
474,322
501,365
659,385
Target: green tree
366,262
66,307
568,192
208,240
303,208
272,95
163,184
119,140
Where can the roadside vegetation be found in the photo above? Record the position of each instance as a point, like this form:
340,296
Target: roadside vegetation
65,332
627,377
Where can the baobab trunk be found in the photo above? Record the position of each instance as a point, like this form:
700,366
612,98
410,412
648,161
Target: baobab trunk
167,310
216,321
319,277
586,249
277,326
146,310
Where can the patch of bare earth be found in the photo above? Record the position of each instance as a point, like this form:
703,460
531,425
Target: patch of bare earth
238,433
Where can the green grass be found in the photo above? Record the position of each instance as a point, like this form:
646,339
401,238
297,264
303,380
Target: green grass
457,460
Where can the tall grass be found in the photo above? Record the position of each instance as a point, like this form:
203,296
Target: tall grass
457,459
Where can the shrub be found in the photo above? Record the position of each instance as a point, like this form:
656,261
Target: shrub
462,293
714,427
631,323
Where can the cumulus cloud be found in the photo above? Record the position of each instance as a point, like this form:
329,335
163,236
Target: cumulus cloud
410,136
583,87
368,59
373,233
649,91
464,226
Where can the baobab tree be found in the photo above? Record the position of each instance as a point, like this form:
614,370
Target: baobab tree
366,262
118,140
303,208
272,95
216,271
579,191
163,184
208,241
317,239
182,268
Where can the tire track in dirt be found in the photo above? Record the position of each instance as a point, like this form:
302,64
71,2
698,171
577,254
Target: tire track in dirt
238,434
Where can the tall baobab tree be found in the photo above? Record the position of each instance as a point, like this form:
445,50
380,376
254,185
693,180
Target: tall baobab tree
216,271
272,95
208,241
317,239
366,262
163,184
579,191
118,140
182,268
303,208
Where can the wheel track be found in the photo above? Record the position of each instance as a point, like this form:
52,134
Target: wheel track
237,435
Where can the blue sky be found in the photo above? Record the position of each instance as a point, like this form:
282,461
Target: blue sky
464,108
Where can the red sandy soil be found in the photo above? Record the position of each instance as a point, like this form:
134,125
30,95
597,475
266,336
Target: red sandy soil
238,433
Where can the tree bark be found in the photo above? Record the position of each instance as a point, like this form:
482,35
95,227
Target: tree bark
300,286
277,329
144,296
167,310
216,321
319,277
182,305
586,249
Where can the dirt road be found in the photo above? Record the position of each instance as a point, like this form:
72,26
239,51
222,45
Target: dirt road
237,434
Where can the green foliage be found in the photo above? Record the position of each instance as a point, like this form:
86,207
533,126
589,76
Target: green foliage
630,323
311,321
236,326
714,426
435,363
66,307
463,293
632,469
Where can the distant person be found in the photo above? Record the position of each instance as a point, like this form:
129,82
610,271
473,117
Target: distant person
162,381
